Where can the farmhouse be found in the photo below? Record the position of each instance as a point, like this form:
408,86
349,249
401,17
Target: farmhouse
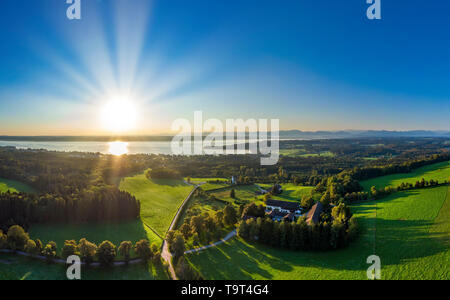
276,215
313,215
283,206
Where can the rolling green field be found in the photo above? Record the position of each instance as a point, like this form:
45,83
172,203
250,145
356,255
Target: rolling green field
411,239
244,194
304,153
130,231
160,199
291,192
439,171
206,186
15,187
14,267
199,205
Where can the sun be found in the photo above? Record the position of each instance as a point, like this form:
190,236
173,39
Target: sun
119,115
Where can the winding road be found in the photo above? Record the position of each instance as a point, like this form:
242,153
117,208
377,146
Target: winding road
165,253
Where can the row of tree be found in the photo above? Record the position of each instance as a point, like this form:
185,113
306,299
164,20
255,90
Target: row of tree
96,204
17,239
332,234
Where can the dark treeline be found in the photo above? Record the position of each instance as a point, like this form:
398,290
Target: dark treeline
406,167
73,187
93,205
334,231
345,186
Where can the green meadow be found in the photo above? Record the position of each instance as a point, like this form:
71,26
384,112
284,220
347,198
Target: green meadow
14,187
291,192
14,267
207,186
116,233
439,171
411,239
304,153
243,194
160,199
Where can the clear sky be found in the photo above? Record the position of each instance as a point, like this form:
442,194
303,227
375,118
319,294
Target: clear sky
314,64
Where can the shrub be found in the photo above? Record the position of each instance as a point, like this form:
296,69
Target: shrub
87,250
125,249
3,240
17,237
49,251
70,248
30,247
106,252
143,250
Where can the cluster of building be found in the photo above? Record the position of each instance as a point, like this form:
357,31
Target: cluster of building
279,210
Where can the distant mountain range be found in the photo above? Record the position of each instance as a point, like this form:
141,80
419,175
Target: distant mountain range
284,134
298,134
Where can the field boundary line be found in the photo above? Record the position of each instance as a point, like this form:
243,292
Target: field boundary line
151,228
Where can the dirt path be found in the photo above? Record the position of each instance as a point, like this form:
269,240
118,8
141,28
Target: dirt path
165,253
229,236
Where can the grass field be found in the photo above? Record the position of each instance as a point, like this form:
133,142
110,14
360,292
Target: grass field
207,186
160,199
304,153
131,231
199,205
439,171
411,239
13,267
244,194
291,192
15,187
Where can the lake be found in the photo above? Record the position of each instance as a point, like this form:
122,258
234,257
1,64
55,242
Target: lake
115,148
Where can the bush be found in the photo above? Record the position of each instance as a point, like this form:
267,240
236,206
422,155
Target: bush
142,249
17,237
49,251
3,240
69,248
30,247
87,250
125,249
106,253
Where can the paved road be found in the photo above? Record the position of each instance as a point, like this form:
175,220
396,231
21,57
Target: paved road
165,253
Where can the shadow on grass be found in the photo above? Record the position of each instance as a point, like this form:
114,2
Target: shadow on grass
397,241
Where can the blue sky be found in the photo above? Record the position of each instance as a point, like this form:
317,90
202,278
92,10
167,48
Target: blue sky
314,64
